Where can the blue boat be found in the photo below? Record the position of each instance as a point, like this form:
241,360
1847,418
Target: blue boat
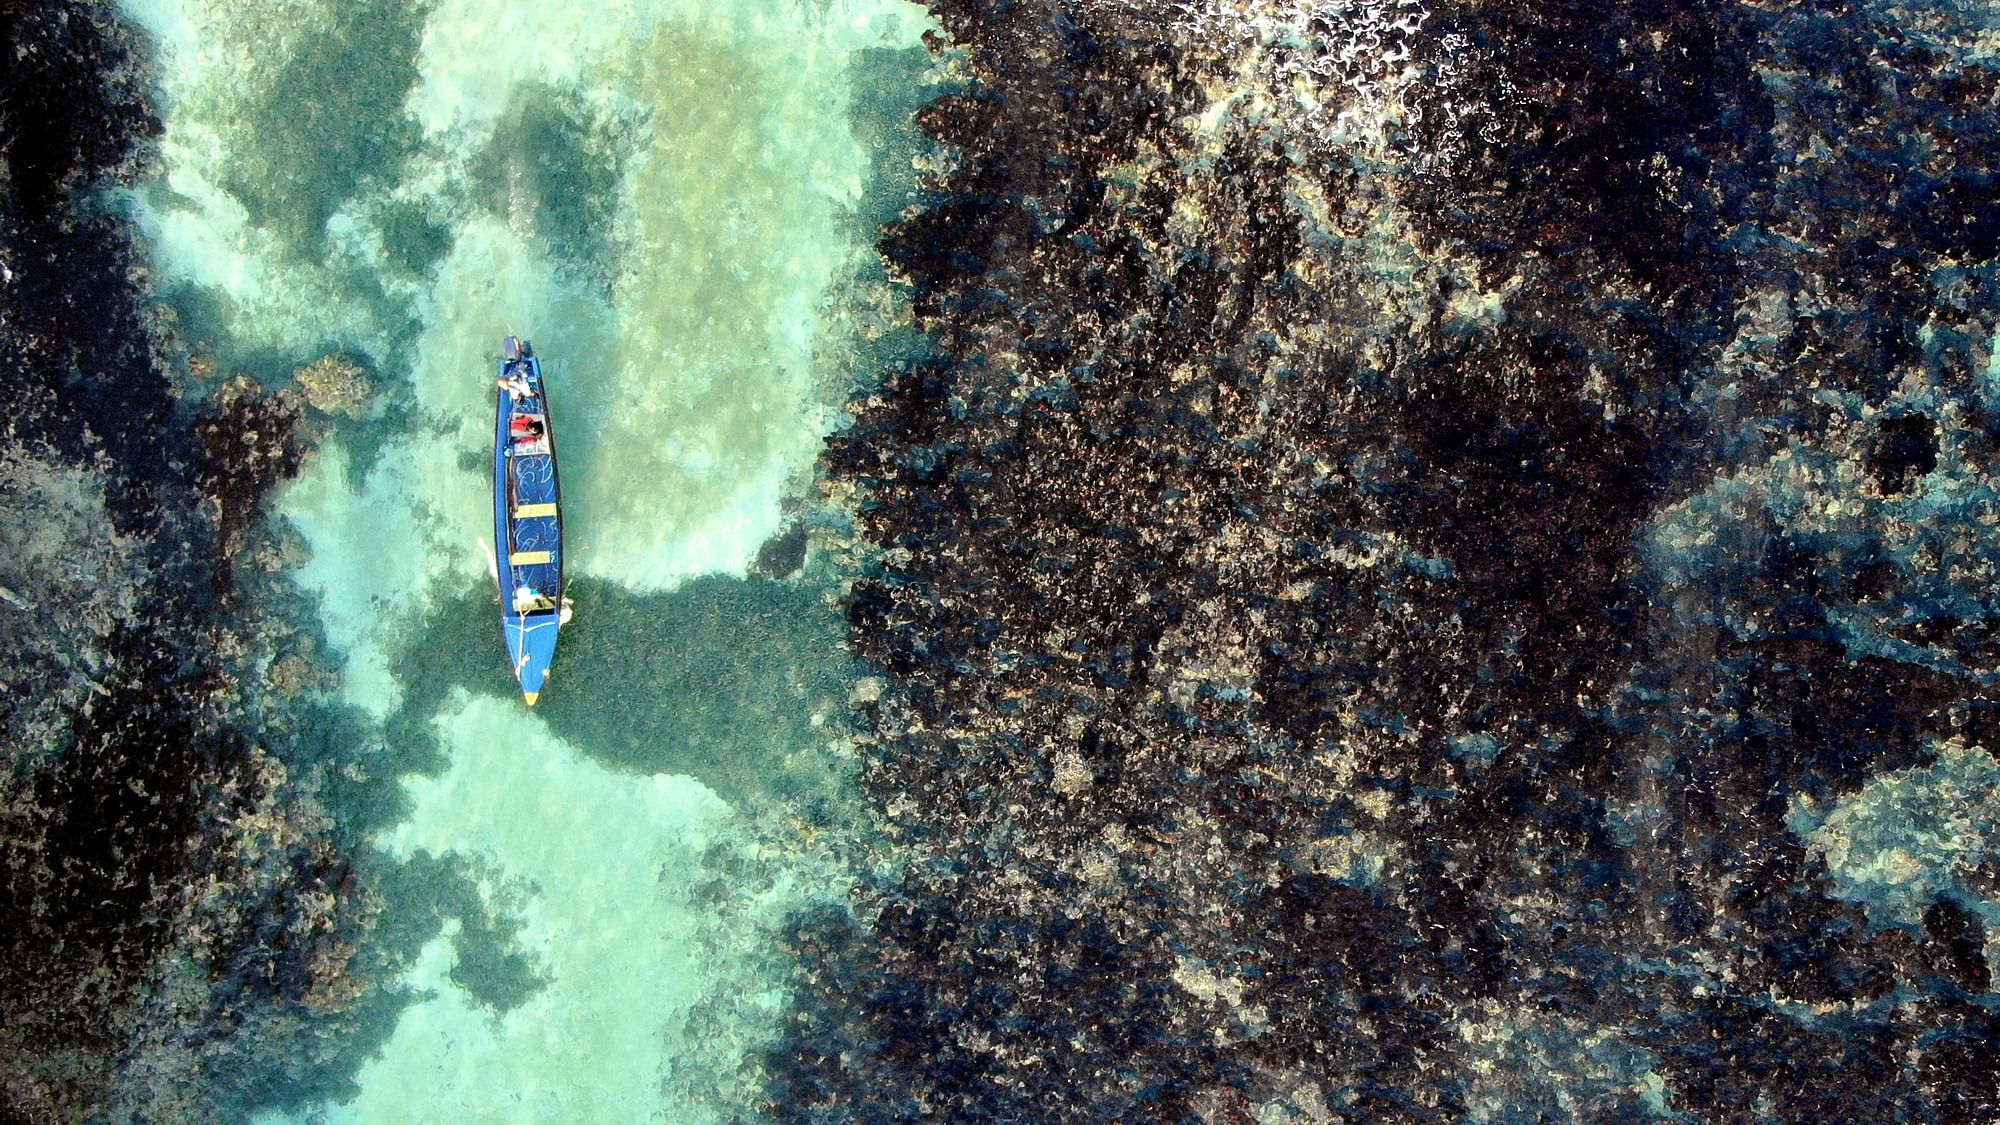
527,520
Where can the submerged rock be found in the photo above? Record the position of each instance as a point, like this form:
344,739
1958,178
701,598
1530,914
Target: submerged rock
335,384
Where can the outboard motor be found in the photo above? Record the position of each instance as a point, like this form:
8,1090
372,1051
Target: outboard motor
511,349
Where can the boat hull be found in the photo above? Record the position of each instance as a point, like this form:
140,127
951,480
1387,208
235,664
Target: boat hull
527,520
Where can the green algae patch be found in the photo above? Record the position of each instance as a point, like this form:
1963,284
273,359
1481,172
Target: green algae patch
412,239
552,170
430,894
739,683
328,118
455,646
890,84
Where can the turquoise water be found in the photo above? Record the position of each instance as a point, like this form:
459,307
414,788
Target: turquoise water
673,201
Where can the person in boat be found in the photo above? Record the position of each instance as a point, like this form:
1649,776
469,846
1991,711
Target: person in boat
526,427
529,600
516,384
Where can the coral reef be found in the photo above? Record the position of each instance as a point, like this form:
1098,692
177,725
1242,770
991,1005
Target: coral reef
164,883
1427,566
335,384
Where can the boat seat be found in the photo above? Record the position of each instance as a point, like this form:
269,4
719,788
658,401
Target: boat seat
528,558
534,511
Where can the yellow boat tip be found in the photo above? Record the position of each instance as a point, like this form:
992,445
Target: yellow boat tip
531,696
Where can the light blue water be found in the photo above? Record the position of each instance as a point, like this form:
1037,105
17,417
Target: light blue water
664,196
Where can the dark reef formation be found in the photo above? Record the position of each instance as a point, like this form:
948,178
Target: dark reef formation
1483,615
163,886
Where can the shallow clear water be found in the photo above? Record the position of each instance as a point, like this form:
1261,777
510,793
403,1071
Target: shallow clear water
669,199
